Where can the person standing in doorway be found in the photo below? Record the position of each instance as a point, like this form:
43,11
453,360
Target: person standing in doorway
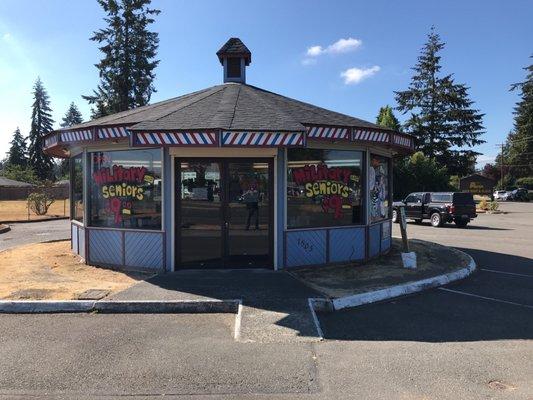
251,199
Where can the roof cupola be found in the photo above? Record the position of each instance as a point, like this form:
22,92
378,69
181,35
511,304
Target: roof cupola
234,57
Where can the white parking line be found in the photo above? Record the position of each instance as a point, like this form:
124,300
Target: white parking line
486,298
506,273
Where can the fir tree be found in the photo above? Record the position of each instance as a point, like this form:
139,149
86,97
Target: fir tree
519,146
17,154
41,124
442,119
387,119
127,67
72,116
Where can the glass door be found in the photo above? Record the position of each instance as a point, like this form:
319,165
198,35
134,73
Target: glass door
199,214
223,213
248,214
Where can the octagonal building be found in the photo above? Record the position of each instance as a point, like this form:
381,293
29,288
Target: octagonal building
232,176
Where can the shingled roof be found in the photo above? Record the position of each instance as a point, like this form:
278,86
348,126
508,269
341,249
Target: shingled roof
234,47
231,106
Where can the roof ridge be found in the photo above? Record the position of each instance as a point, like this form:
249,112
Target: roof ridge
271,106
131,111
235,107
311,107
219,87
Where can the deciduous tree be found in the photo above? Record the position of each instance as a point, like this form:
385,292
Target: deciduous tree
387,119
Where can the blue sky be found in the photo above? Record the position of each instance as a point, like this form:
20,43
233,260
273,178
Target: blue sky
366,52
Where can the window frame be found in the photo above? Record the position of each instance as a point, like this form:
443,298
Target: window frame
388,185
364,190
89,187
72,169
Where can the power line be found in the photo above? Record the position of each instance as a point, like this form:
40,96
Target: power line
520,140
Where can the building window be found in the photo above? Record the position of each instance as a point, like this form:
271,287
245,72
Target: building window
378,186
126,189
324,188
76,184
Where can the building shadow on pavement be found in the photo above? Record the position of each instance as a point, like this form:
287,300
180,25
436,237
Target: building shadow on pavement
432,316
272,296
443,316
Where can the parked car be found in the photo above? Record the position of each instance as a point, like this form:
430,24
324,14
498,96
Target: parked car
439,208
519,194
501,195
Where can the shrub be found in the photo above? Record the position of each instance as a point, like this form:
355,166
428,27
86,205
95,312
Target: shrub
483,205
494,205
20,173
40,202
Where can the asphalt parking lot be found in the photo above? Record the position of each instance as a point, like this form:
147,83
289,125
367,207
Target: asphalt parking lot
470,340
35,232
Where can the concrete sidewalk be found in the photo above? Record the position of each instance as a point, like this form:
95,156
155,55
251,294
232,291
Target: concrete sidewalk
275,304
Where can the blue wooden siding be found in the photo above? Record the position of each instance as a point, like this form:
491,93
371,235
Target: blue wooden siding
74,238
105,247
386,236
306,247
346,244
374,238
144,249
81,242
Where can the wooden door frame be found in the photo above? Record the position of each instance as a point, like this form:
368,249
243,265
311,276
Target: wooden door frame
223,166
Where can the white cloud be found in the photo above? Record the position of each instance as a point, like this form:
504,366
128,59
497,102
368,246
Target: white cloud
309,61
344,46
340,46
355,75
314,51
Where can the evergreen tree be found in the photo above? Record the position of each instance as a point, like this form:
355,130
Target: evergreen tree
442,119
519,144
41,124
17,152
387,119
127,67
72,116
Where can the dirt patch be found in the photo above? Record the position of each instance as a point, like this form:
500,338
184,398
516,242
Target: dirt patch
348,279
51,271
17,210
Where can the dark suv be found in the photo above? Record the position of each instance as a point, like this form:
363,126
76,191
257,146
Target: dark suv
439,208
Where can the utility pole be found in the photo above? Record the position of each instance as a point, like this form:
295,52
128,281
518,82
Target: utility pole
501,164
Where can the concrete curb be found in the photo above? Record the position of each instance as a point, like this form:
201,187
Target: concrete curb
119,307
45,306
4,228
404,289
